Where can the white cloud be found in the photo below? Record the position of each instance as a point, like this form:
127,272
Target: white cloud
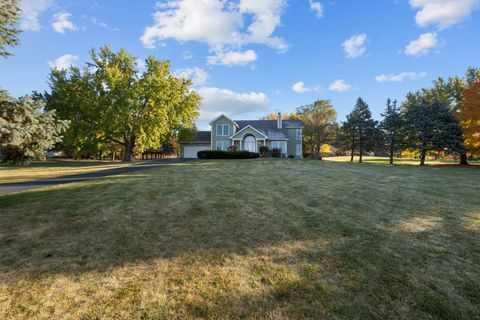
31,11
443,13
355,46
340,86
63,62
231,58
422,45
61,22
102,24
224,25
300,87
400,76
197,75
316,7
216,101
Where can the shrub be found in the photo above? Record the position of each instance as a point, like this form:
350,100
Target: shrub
217,154
232,148
263,151
276,153
291,156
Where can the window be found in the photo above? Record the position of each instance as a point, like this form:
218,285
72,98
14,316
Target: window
223,130
282,145
223,145
299,135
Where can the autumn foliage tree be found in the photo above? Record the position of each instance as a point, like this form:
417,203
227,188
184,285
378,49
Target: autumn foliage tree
468,113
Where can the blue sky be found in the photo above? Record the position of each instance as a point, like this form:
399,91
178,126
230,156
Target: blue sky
252,57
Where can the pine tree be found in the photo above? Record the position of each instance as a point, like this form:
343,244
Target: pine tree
431,126
391,128
26,130
9,17
367,133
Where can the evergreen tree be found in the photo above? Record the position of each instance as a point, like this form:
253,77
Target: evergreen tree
391,128
9,16
431,126
347,138
367,133
26,130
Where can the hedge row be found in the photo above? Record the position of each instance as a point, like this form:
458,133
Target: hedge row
216,154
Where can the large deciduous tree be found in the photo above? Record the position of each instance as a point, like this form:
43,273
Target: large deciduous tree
431,126
27,131
468,114
320,126
391,128
112,101
9,16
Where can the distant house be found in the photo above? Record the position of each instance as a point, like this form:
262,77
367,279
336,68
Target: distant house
248,135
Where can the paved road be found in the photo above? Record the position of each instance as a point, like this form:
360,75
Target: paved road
6,188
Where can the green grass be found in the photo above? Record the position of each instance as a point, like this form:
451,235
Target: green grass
246,239
38,170
399,161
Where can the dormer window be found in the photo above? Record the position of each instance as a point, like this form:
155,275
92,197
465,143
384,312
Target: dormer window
223,130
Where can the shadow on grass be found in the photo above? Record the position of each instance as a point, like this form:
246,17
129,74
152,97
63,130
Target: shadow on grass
326,250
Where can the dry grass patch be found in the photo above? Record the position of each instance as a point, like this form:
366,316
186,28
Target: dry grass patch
39,170
246,240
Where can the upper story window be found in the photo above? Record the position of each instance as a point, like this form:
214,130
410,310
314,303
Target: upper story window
299,135
223,130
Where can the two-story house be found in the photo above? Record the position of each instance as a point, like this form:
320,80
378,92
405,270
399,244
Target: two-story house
248,135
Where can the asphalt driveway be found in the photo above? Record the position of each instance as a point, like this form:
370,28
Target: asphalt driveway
7,188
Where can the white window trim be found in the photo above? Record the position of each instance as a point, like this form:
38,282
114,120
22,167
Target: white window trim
280,145
223,126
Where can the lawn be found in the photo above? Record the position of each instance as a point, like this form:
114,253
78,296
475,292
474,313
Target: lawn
38,170
399,161
248,239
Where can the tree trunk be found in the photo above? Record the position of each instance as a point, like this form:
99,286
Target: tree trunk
352,152
391,156
113,156
129,144
422,157
464,159
360,147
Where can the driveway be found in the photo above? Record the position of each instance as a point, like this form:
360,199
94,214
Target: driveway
7,188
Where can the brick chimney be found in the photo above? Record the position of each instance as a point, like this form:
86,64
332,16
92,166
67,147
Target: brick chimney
279,120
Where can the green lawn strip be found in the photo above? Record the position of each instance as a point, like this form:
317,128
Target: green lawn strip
248,239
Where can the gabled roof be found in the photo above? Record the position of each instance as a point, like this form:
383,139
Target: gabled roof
223,116
201,137
245,128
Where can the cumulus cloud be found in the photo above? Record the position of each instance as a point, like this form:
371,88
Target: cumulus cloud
423,45
317,8
443,13
355,46
400,76
223,25
231,58
61,22
63,62
300,87
197,75
31,11
340,86
216,101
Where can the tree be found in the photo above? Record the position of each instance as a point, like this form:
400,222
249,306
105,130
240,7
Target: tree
391,128
431,126
111,101
468,113
274,116
9,16
365,126
26,130
319,120
347,138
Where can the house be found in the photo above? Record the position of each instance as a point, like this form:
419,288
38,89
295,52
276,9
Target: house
248,135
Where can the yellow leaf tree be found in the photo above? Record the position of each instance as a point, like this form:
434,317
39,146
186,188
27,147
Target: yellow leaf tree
468,114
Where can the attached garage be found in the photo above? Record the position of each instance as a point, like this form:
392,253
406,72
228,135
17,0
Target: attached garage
201,141
190,151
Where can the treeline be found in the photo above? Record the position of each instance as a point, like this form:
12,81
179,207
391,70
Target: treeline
443,120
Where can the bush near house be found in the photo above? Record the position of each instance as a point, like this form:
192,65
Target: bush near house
217,154
276,153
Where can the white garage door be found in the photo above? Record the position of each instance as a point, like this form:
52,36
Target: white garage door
191,151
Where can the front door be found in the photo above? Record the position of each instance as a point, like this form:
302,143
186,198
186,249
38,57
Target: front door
250,144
